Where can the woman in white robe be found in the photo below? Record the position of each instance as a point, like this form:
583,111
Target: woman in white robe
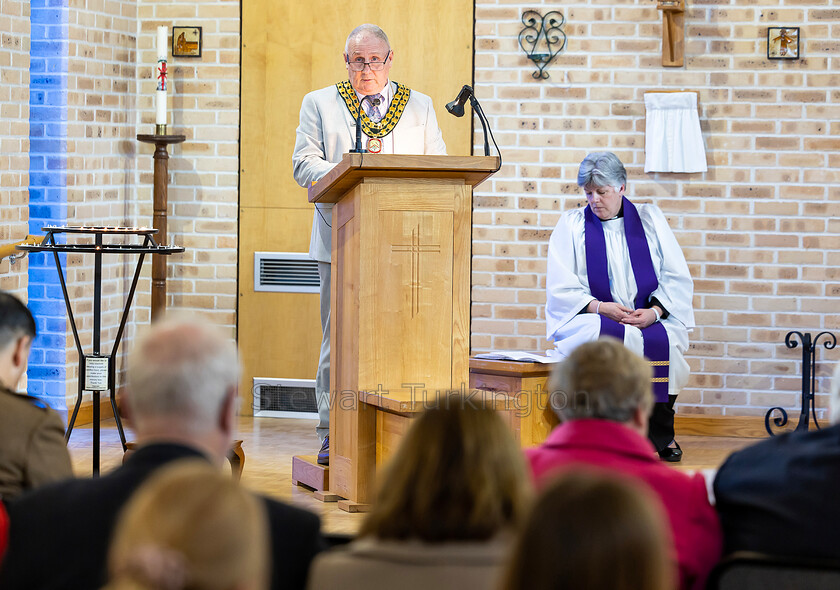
572,311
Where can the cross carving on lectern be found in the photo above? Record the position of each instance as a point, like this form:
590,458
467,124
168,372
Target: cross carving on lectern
415,248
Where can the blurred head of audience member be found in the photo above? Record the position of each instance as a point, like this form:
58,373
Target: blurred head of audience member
182,385
458,475
17,331
603,379
593,531
189,527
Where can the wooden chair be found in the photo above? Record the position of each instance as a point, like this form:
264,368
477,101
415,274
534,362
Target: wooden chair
756,571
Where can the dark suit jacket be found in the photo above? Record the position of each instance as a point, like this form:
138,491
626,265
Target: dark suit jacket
60,533
779,495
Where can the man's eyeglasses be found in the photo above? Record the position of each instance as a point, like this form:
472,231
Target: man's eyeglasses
375,66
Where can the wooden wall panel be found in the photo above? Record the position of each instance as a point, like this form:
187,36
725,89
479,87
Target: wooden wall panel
289,49
279,333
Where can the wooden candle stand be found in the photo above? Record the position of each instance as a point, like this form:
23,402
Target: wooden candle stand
161,205
673,32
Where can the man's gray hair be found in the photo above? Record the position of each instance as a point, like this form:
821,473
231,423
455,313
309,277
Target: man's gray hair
366,29
601,379
834,397
182,368
602,169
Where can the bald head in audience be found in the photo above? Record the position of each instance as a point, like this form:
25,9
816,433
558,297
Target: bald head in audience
180,399
182,385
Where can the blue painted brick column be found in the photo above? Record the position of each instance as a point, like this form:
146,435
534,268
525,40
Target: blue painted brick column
47,193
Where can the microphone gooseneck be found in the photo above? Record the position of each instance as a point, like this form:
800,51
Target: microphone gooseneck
358,149
456,107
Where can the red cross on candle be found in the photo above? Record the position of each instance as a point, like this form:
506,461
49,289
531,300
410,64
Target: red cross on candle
161,76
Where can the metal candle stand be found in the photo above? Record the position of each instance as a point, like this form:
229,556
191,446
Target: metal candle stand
809,361
91,366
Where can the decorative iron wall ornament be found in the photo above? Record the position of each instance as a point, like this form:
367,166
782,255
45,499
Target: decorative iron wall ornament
542,38
809,384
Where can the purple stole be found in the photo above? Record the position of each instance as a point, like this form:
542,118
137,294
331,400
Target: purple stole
655,337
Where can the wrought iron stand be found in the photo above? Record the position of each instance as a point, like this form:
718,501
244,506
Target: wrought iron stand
96,371
809,362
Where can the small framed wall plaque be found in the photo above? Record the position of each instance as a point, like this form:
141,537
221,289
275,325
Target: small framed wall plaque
186,41
783,43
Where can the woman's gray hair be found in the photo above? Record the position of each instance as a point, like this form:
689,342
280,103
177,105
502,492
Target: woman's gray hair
366,29
601,379
602,169
184,368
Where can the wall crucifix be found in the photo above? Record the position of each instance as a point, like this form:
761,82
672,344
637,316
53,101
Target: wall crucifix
673,32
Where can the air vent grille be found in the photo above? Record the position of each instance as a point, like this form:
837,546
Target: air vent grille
285,398
285,272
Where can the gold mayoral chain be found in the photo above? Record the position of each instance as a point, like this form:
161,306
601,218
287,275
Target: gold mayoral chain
369,126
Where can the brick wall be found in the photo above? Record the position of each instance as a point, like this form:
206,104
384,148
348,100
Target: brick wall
112,55
101,156
47,192
92,94
760,229
14,138
204,170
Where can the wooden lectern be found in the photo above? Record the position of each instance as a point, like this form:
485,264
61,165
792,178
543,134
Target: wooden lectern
400,325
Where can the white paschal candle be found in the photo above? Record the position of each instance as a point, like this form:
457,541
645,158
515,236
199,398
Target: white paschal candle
161,75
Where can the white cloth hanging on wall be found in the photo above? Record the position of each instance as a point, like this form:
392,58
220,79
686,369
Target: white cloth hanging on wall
673,140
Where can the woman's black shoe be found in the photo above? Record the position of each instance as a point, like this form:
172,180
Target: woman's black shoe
671,454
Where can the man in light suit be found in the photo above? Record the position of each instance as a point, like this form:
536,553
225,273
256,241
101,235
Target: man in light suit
395,120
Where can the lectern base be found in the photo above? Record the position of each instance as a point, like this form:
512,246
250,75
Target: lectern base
306,472
353,507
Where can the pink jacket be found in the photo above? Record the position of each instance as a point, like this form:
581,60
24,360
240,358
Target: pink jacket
4,530
616,448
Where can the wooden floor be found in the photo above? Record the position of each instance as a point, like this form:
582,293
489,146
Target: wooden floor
270,443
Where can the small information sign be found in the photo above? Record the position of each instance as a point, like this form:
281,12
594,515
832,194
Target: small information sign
96,373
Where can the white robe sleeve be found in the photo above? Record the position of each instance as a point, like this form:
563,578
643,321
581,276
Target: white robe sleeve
566,295
676,289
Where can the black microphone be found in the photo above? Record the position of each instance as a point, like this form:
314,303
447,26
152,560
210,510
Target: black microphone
358,149
456,107
375,102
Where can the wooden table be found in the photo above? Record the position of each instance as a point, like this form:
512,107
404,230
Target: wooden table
531,417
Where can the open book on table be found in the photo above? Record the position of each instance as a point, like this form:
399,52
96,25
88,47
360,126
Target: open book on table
517,355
